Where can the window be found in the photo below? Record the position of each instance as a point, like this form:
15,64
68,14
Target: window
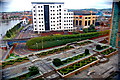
59,9
59,13
85,23
53,6
89,22
38,10
50,6
34,21
85,17
60,6
38,6
39,14
53,17
35,28
57,17
89,17
93,22
34,18
80,22
33,6
76,22
39,25
76,17
39,21
41,6
34,10
41,10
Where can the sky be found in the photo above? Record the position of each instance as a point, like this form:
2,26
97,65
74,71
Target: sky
25,5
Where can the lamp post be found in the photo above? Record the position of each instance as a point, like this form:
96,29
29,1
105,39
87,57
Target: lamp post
42,40
37,46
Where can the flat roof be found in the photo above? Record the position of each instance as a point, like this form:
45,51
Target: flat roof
47,2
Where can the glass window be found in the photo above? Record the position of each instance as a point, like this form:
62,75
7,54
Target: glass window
85,23
80,22
60,6
89,22
85,17
76,22
38,6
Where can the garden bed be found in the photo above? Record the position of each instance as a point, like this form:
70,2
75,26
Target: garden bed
109,52
14,62
71,60
54,51
57,40
79,66
84,43
102,48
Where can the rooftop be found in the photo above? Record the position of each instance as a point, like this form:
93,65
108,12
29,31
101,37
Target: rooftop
47,2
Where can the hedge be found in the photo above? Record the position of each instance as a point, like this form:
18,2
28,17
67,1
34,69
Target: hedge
51,41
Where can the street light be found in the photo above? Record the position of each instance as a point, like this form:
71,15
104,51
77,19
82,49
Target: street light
42,40
37,46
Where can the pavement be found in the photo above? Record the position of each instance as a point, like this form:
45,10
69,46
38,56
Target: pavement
44,63
102,70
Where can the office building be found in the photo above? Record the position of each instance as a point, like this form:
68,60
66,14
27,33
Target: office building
51,16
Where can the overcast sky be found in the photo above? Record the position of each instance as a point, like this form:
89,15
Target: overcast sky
21,5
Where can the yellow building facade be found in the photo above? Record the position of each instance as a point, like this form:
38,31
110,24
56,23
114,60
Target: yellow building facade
84,20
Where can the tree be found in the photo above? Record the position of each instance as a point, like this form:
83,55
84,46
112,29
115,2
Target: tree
87,51
8,34
57,62
98,47
33,70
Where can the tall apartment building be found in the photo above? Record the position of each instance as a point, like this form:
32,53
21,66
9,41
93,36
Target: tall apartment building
115,26
51,16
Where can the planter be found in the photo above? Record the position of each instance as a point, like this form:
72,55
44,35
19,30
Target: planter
70,63
113,53
78,70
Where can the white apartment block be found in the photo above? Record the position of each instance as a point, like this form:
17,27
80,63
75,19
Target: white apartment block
51,16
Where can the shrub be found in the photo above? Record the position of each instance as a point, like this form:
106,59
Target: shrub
86,51
57,62
51,41
98,47
33,70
